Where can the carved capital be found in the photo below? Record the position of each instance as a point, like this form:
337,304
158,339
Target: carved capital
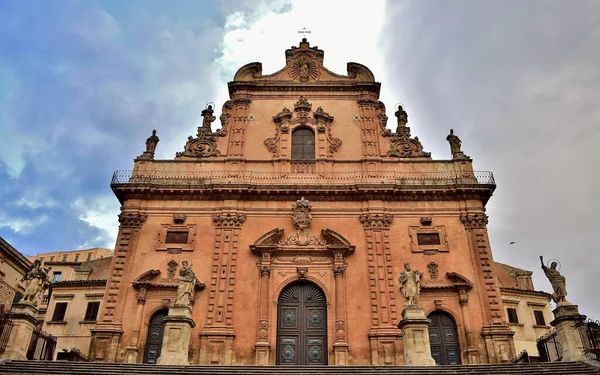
132,220
463,297
476,221
376,220
339,271
265,271
229,220
141,295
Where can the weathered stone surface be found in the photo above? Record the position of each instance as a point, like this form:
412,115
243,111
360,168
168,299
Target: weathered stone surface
566,316
415,337
24,323
177,335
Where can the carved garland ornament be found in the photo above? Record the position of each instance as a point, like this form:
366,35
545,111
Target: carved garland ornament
321,120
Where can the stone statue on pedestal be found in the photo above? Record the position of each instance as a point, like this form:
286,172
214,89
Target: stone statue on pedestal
558,281
410,284
455,145
151,142
36,281
187,285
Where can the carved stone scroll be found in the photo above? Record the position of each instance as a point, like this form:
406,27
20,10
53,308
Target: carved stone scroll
401,144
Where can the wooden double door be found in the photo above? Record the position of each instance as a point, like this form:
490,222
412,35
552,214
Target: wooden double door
302,326
156,330
443,339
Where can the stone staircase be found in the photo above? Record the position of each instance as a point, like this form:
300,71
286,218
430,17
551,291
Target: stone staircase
59,367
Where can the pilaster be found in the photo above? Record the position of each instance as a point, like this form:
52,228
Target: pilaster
216,339
236,117
384,335
497,335
106,335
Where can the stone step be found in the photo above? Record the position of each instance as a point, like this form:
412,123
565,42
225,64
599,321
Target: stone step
83,368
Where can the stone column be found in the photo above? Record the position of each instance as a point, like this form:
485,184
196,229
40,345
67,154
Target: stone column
23,318
263,347
566,316
472,352
176,340
132,350
340,348
415,336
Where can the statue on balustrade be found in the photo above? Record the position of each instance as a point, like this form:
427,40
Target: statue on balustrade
558,281
410,284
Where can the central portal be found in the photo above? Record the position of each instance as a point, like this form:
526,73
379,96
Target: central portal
302,326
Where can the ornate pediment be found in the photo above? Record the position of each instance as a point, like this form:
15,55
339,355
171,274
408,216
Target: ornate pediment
304,64
146,277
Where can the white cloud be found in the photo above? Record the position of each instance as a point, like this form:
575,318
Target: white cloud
99,212
264,34
22,225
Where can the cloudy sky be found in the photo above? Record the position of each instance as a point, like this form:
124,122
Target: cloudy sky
83,83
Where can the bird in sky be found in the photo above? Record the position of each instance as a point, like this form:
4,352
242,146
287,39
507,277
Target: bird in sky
512,243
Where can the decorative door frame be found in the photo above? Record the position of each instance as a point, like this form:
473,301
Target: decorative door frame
302,258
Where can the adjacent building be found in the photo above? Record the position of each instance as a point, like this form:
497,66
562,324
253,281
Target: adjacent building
13,266
71,307
73,255
527,310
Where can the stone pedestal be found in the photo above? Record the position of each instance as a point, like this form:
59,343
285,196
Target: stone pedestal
176,340
566,316
415,335
23,318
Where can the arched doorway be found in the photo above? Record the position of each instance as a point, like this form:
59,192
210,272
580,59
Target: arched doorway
302,325
154,341
303,144
443,339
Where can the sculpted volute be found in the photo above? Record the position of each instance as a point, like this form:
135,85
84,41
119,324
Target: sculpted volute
410,284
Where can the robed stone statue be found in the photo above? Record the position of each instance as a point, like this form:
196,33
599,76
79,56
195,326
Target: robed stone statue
410,284
151,143
558,281
187,285
455,144
36,281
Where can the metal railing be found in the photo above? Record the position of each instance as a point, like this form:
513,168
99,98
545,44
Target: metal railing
589,331
549,348
41,346
523,357
193,178
6,326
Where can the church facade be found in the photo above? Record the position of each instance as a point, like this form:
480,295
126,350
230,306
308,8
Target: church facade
297,215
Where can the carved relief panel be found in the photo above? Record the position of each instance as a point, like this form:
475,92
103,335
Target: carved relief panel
319,123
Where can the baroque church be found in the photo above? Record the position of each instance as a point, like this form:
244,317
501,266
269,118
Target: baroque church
296,216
